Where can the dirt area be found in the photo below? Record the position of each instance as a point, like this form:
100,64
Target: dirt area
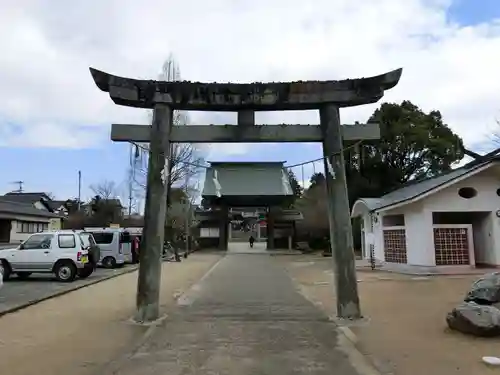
81,331
405,331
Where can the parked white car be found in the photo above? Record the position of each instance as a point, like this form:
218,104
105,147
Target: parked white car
115,246
60,252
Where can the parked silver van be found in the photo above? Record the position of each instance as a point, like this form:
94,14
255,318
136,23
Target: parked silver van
115,245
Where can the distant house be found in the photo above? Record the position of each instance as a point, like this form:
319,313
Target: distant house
39,200
446,223
87,207
22,214
59,207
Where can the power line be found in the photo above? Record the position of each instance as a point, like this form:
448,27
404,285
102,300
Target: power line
286,166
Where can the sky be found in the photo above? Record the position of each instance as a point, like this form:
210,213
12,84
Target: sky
54,121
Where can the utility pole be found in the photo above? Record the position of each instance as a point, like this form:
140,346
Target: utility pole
148,286
341,242
79,189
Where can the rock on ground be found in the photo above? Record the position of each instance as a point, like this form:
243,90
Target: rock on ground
486,290
474,319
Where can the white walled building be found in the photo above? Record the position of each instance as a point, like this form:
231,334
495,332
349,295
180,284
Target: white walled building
18,221
447,223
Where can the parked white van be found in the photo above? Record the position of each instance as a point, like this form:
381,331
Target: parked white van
115,245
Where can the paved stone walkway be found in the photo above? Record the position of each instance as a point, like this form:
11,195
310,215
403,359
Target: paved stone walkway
244,317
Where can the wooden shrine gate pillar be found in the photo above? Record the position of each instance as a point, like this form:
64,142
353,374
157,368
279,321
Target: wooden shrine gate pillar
148,291
223,227
339,217
271,216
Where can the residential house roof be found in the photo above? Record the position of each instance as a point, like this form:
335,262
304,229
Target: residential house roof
30,198
55,205
246,179
416,188
17,208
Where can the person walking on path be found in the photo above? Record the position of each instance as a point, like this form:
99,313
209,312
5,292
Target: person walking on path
135,249
251,240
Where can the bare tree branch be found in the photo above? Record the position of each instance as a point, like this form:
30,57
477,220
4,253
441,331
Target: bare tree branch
105,189
184,156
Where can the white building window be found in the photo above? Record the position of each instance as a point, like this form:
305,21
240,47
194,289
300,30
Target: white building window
393,220
209,232
31,227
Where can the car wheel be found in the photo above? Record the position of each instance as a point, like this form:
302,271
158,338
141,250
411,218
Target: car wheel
109,262
23,275
65,271
5,269
85,272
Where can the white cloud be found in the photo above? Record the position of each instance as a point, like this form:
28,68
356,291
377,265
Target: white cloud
48,46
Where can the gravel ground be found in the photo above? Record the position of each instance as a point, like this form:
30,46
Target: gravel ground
81,331
405,330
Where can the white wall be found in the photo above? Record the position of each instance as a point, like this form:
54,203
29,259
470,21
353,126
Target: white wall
15,236
486,183
373,236
418,231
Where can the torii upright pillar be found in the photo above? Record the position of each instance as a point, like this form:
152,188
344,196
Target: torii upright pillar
341,242
148,285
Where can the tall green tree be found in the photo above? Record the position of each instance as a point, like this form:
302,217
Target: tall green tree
317,179
294,183
413,145
314,208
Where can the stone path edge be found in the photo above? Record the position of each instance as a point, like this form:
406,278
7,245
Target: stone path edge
363,363
25,305
113,367
371,362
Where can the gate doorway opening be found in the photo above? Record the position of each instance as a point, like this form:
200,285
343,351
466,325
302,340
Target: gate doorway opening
246,199
464,238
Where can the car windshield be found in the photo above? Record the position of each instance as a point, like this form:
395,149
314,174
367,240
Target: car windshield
103,238
37,240
91,239
87,239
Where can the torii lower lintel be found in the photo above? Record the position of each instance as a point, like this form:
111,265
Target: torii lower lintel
243,134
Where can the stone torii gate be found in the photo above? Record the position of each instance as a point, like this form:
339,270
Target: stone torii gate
245,99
